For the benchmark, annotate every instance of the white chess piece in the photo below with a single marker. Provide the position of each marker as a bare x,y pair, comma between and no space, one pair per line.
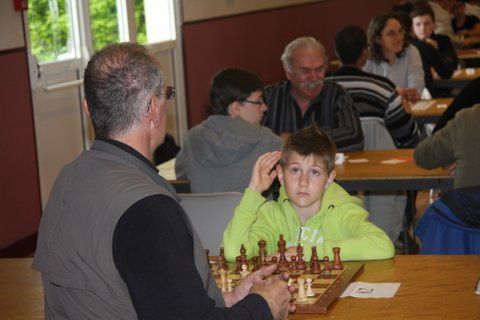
229,285
310,292
223,279
244,271
301,296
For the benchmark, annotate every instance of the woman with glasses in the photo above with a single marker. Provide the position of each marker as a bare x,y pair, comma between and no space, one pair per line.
391,56
218,154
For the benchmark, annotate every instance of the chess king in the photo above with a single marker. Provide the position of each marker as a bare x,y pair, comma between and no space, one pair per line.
311,210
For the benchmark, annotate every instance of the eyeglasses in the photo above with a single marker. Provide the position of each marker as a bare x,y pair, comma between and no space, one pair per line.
170,93
259,102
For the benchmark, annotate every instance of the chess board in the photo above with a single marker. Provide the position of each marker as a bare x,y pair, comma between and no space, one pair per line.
327,288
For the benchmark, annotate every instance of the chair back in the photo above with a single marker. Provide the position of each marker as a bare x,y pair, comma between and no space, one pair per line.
210,214
376,134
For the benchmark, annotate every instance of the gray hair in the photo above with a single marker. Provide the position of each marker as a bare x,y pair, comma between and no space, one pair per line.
119,83
302,42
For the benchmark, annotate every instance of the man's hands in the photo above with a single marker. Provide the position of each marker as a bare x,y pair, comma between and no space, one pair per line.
275,291
264,171
410,94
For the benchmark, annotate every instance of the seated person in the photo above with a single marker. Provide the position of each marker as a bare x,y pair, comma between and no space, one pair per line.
467,98
457,143
305,97
437,51
373,95
312,209
391,56
218,152
465,26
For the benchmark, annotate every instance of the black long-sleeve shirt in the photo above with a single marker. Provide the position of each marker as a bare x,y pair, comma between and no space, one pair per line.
153,252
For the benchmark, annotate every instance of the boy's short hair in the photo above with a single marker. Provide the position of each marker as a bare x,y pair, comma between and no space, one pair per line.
310,141
350,42
422,8
230,85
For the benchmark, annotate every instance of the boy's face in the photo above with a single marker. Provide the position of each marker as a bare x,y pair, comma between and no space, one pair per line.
305,180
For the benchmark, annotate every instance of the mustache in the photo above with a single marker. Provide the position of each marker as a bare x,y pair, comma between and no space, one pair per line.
311,84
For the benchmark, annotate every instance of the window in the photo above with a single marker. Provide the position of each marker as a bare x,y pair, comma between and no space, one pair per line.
155,21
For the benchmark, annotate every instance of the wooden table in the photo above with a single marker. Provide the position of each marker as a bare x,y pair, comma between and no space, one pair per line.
434,111
468,57
459,79
432,287
374,175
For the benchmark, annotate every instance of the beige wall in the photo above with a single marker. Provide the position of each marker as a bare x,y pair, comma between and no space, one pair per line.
11,30
194,10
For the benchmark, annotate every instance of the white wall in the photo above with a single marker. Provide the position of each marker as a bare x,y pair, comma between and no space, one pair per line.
11,30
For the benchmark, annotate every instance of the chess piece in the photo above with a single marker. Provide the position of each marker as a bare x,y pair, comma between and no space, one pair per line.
290,282
315,265
238,260
243,255
282,262
310,292
223,281
244,272
337,263
255,264
274,260
314,254
326,269
262,252
293,265
301,265
229,285
222,262
301,295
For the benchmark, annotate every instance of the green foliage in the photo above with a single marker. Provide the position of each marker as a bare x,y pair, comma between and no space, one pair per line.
50,26
104,23
49,29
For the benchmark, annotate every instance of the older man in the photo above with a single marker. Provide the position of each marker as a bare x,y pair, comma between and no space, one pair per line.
306,98
114,243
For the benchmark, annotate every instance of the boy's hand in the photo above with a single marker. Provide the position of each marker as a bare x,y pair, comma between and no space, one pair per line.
264,171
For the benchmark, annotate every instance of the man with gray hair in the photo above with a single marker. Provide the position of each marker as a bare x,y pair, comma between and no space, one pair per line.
114,243
304,97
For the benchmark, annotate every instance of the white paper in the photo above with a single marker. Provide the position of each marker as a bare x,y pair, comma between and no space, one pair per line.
393,161
442,106
357,160
370,290
167,170
422,105
470,71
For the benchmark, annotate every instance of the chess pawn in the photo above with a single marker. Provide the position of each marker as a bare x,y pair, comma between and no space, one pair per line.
310,292
301,265
244,272
315,265
326,269
293,265
229,285
223,281
337,263
274,261
301,295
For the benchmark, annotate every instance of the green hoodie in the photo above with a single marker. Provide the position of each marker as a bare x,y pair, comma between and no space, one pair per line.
341,222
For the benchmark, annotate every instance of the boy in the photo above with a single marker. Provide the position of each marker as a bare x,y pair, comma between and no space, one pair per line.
312,209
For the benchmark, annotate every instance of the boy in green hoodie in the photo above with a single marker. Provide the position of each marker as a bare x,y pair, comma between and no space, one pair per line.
312,209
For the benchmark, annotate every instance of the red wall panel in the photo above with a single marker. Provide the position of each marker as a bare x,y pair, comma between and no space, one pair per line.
19,184
255,41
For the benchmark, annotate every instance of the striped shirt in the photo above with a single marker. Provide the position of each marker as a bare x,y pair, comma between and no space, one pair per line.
333,110
375,96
